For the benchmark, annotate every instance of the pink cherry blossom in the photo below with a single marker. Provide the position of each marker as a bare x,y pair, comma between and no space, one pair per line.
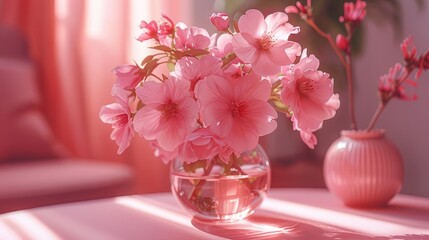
354,12
223,46
409,50
201,144
191,38
150,31
390,84
128,76
237,111
264,42
309,95
118,114
299,8
169,113
193,69
166,26
220,20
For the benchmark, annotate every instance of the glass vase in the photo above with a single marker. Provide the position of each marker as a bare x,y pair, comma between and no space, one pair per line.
212,190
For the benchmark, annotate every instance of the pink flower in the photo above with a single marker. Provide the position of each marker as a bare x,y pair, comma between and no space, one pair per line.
128,76
201,144
264,42
166,26
191,38
409,55
309,95
150,31
118,114
390,84
299,8
354,12
237,111
168,114
220,20
223,46
193,69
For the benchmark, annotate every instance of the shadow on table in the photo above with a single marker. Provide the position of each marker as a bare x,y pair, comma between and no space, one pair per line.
269,227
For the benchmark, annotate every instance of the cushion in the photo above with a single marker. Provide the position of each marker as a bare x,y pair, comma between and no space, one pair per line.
31,179
24,132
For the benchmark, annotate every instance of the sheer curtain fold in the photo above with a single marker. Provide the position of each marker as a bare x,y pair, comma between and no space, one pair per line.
76,44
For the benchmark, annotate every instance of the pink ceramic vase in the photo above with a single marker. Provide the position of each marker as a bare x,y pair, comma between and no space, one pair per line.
363,168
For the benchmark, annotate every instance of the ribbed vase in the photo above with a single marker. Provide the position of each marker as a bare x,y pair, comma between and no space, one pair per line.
363,168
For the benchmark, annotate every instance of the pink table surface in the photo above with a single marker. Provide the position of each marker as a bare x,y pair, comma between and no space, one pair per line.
286,214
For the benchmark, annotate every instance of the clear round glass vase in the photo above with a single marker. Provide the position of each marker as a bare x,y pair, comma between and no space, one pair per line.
211,190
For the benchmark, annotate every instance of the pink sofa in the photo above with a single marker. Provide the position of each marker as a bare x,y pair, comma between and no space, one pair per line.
35,169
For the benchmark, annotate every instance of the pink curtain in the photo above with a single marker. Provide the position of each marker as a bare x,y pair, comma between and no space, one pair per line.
76,44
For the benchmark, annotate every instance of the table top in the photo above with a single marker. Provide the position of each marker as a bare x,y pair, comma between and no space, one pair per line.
286,214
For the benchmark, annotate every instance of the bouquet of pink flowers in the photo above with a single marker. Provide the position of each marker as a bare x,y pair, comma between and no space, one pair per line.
217,94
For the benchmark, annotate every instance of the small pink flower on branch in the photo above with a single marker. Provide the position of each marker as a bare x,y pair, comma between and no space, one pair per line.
391,84
119,116
166,26
409,51
128,76
150,31
304,11
220,20
343,43
354,12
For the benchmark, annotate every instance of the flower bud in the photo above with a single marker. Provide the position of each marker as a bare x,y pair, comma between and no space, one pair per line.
128,76
291,9
342,43
220,20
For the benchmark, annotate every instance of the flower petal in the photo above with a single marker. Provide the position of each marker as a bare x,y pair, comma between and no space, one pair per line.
146,122
253,23
245,48
152,92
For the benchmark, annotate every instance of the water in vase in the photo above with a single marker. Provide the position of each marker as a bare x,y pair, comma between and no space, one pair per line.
222,198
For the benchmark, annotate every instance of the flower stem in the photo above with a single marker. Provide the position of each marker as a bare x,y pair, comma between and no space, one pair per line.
376,116
201,182
346,61
351,93
387,99
331,41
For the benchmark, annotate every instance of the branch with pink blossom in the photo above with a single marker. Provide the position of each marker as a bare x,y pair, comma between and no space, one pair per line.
392,84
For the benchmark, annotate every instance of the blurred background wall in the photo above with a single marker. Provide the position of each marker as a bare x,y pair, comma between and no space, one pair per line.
81,41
